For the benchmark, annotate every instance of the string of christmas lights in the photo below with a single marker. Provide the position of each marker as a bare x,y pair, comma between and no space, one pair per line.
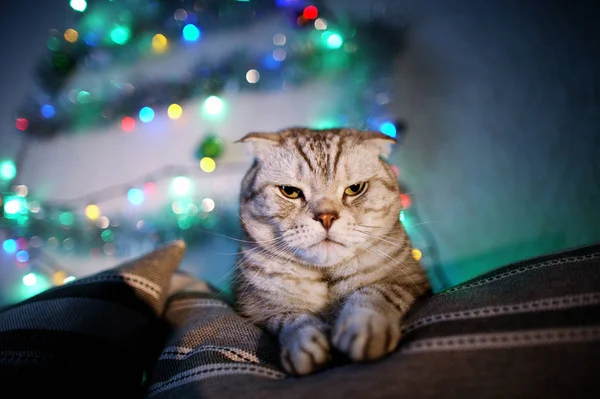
307,42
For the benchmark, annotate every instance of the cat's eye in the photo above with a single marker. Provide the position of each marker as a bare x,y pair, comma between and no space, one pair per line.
291,192
355,189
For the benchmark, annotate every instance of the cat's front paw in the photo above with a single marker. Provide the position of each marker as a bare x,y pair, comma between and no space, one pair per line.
365,334
304,349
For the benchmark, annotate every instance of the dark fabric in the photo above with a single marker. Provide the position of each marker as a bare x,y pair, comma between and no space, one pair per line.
93,337
528,330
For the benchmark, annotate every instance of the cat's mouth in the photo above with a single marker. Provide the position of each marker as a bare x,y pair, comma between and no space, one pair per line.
329,241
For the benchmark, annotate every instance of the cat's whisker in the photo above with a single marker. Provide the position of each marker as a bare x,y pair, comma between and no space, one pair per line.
419,224
239,240
381,238
396,262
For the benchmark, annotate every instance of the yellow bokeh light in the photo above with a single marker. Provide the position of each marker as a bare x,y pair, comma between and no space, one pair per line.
174,111
58,278
92,212
417,254
208,164
159,43
71,35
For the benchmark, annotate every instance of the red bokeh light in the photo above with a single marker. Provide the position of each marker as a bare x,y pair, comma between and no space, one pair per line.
149,188
22,124
311,12
405,201
22,243
128,124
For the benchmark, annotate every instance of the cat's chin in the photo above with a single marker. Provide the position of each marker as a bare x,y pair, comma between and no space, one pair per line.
324,254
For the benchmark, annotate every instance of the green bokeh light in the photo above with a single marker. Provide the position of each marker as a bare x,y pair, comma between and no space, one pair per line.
53,43
15,206
107,236
66,218
84,97
8,170
120,34
332,40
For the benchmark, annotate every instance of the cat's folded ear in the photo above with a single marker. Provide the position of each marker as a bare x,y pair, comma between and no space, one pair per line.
380,142
261,142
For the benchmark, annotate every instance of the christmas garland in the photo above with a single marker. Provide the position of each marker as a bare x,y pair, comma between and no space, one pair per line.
307,42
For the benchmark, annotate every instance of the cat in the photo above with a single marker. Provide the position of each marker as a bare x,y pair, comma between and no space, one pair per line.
325,262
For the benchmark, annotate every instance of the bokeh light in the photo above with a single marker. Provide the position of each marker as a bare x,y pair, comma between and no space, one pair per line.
208,164
66,218
181,185
9,246
47,111
120,34
8,170
58,277
146,114
71,35
180,14
135,196
21,190
92,212
207,205
320,24
279,39
334,41
149,188
128,124
21,124
103,222
22,256
191,33
78,5
84,97
69,279
388,128
405,201
417,254
213,105
310,12
107,236
14,206
252,76
174,111
30,279
279,54
160,43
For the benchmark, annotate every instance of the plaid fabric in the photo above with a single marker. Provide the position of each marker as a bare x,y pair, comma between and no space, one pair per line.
528,330
93,337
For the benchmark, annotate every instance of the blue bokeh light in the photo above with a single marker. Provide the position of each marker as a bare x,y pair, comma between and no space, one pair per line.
146,114
191,33
135,196
23,256
47,111
388,128
9,245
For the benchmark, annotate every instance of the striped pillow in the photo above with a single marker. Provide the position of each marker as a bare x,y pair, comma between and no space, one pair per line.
528,330
99,333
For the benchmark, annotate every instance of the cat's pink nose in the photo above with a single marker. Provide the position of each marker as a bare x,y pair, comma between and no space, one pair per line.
326,219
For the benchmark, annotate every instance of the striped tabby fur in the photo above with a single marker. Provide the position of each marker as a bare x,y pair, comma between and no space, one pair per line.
350,291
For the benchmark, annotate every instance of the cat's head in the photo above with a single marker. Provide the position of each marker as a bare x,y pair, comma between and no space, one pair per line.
319,196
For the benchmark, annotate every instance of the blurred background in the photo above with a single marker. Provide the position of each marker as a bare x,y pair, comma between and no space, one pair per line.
118,119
